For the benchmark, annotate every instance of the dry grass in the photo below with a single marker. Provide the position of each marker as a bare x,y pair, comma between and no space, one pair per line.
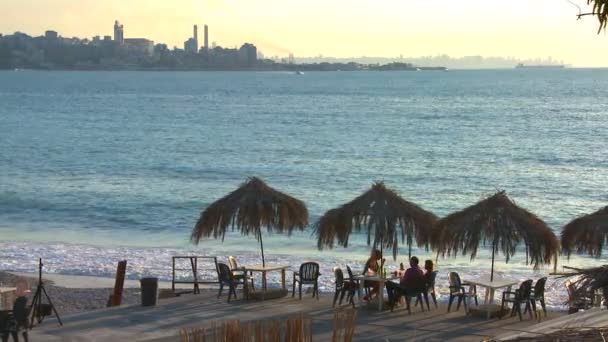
292,329
572,334
249,208
387,218
586,234
588,280
499,222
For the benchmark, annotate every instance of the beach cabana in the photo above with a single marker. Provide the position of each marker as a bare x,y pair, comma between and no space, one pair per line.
248,209
499,222
386,217
586,234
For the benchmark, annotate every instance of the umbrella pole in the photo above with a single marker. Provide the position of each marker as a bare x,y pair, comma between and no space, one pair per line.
381,260
555,263
262,246
409,255
492,271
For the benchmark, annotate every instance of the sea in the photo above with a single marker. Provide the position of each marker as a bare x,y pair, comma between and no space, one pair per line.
96,167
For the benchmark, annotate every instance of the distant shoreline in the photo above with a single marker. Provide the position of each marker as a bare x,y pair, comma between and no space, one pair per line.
289,70
294,69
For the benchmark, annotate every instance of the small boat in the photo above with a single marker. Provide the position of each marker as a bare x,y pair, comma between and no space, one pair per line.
299,73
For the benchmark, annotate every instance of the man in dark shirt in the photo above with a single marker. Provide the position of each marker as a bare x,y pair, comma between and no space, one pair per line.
410,281
412,273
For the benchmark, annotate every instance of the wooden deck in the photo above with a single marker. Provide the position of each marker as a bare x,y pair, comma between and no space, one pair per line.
162,323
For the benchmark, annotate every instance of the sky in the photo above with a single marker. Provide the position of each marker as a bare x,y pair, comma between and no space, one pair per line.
339,28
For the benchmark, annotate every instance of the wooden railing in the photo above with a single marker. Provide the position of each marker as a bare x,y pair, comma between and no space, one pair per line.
195,277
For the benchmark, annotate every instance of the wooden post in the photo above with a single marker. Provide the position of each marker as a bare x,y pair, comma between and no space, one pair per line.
173,274
116,297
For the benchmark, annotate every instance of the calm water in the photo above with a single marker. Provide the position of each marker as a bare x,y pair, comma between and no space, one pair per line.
99,166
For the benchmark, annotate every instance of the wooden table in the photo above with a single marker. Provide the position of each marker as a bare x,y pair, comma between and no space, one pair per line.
375,278
264,270
6,294
491,287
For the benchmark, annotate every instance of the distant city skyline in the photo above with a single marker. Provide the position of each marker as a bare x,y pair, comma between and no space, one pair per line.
522,29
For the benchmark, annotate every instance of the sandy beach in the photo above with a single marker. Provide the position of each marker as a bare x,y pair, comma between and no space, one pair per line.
72,295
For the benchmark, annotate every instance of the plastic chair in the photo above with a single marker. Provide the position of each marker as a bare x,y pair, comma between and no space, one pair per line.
355,282
430,289
240,272
16,320
309,275
343,287
538,294
226,278
457,290
414,289
517,298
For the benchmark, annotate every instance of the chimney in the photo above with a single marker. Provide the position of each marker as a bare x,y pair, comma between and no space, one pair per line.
206,38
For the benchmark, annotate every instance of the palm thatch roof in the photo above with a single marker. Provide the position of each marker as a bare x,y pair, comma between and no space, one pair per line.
599,10
383,214
500,222
586,234
249,208
588,279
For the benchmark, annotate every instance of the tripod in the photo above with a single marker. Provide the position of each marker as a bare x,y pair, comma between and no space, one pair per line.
40,310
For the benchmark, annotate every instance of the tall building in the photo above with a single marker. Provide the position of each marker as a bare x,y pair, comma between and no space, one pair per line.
247,55
191,45
119,34
195,37
206,39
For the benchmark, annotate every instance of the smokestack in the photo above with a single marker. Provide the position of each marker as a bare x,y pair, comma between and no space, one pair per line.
195,36
206,38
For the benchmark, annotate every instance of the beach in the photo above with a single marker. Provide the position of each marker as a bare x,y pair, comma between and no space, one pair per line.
73,295
102,167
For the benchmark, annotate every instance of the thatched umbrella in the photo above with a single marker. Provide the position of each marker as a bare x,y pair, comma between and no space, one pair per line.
589,279
500,222
587,233
383,214
250,207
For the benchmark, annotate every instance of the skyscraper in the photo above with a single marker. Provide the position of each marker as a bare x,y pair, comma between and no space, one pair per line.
206,38
195,37
119,35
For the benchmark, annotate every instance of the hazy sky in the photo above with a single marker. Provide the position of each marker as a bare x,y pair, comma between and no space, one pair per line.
341,28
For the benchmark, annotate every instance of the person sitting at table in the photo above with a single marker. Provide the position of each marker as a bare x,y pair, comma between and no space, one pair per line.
413,273
429,267
411,282
373,266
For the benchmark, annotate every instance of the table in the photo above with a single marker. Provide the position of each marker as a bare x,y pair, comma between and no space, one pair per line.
6,294
376,278
264,270
491,287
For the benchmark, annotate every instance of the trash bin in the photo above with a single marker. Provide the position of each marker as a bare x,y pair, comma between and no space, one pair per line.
149,287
